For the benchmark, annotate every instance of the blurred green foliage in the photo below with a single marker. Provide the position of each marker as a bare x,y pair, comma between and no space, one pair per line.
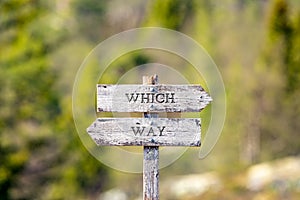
27,100
40,155
255,44
89,15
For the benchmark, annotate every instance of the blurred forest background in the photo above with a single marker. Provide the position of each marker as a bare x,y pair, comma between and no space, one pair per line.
255,44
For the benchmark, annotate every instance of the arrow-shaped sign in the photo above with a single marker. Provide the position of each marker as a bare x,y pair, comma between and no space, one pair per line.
146,131
151,98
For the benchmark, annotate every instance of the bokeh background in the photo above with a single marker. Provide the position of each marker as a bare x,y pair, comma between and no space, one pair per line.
255,44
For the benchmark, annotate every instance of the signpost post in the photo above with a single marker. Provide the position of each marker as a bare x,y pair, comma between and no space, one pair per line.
151,156
150,131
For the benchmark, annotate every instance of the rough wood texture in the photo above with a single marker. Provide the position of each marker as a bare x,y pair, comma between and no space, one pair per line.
151,173
151,98
151,131
151,157
146,131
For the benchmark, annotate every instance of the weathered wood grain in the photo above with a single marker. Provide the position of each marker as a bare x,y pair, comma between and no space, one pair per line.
151,173
151,98
151,157
146,131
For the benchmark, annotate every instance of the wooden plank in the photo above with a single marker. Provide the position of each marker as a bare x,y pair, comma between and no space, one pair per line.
146,131
151,98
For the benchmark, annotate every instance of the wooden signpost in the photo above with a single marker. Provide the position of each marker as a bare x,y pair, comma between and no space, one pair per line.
150,131
151,98
145,132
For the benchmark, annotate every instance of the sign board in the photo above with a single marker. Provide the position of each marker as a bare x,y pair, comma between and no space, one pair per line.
146,132
151,98
150,132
